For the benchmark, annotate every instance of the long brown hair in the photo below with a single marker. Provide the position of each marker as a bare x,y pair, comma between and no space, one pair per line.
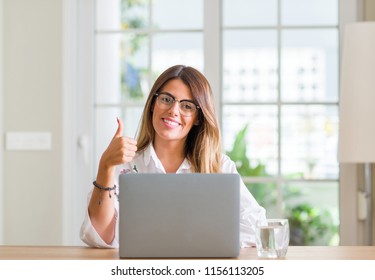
203,143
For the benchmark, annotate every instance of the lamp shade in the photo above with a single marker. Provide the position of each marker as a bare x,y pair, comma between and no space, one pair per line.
357,94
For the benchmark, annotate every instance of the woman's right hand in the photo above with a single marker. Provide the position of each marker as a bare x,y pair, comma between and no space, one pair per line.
120,150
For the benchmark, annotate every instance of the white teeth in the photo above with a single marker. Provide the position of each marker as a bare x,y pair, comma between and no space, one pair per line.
171,123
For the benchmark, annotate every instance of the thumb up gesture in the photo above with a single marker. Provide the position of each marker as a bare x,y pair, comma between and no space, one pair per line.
120,150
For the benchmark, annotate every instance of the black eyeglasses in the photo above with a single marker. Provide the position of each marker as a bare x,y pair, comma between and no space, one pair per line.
166,100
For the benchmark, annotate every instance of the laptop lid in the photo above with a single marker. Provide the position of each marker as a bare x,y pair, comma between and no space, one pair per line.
179,215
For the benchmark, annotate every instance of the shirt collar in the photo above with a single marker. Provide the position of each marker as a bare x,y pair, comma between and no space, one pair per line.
184,167
150,153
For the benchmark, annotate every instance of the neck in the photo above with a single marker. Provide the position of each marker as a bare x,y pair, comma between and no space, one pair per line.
170,153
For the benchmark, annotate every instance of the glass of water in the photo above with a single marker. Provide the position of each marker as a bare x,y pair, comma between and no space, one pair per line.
272,238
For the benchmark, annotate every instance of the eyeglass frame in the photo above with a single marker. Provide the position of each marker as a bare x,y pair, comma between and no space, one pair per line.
157,94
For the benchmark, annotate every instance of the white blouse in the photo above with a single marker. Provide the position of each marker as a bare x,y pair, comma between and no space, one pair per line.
148,162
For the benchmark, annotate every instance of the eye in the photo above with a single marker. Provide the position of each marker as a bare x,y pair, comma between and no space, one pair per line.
166,99
188,106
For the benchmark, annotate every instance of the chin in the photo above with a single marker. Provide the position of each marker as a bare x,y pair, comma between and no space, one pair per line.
171,137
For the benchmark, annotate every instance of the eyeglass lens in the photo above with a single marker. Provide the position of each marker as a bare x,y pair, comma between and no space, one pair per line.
186,107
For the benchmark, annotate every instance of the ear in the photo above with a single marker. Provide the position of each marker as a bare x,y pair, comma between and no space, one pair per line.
197,122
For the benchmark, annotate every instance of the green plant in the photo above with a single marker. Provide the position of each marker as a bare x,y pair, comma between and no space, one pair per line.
310,226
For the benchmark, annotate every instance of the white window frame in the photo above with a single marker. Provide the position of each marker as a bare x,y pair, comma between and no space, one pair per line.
78,79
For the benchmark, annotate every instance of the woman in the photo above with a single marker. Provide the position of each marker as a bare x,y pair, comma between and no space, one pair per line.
178,134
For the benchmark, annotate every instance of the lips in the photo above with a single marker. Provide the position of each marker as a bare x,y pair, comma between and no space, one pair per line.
171,123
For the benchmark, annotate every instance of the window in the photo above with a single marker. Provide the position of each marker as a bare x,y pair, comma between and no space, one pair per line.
280,97
278,91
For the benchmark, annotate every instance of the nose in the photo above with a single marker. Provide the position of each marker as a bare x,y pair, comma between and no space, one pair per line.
175,109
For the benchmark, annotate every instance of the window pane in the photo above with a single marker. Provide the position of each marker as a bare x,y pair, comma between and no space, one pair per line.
250,66
309,142
309,12
131,117
121,68
309,66
260,137
249,12
108,14
177,48
266,195
177,14
121,14
313,213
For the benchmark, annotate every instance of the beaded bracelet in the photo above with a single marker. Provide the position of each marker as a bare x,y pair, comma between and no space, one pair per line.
104,189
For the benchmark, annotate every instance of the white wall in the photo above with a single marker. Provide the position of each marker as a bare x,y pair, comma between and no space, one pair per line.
1,122
32,101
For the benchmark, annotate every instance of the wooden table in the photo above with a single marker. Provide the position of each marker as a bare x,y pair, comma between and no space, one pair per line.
86,253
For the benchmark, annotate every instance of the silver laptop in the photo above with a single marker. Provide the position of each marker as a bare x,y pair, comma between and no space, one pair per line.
179,215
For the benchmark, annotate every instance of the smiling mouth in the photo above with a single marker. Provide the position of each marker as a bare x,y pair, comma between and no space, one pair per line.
171,123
